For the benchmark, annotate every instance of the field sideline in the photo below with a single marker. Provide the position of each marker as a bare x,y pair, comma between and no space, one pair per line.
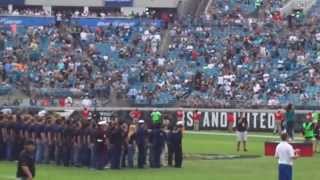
263,168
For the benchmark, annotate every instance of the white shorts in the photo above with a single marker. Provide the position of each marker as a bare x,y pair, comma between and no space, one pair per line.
242,136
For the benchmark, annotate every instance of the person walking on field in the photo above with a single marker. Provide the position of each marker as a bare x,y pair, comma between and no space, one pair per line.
26,163
290,121
285,155
279,118
242,132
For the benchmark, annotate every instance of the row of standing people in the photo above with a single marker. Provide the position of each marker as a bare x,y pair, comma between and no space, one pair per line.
96,145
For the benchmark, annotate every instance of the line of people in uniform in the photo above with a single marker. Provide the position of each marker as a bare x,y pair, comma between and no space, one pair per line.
98,145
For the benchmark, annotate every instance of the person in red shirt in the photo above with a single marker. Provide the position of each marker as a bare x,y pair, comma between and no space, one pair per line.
230,119
180,114
196,120
194,55
135,115
279,117
85,113
62,102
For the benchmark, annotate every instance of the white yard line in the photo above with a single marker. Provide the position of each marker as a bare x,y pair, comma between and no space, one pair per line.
233,134
7,177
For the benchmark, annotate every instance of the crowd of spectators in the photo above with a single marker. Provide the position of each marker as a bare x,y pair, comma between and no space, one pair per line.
73,13
69,60
241,52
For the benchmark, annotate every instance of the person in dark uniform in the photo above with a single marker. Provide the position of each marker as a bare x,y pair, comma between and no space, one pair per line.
125,131
157,142
26,169
100,145
84,149
67,143
40,140
2,140
116,141
170,145
141,143
48,146
57,129
91,140
76,143
10,140
19,137
177,144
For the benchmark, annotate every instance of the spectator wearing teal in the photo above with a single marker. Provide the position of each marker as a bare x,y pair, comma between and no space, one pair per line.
258,3
156,117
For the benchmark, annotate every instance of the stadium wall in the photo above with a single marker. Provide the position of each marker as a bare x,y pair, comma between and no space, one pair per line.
211,119
156,3
101,3
65,2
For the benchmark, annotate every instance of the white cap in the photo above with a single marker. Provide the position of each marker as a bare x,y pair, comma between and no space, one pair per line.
141,121
6,111
102,123
180,123
42,113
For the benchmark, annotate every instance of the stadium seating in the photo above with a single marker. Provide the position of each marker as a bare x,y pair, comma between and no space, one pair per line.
218,59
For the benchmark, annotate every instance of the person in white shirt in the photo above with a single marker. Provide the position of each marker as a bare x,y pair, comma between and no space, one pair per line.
285,155
86,102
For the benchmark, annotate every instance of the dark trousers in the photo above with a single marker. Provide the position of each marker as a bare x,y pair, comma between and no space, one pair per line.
67,155
178,155
84,155
115,157
131,151
9,150
124,157
2,150
156,151
290,129
141,155
285,172
58,154
170,154
100,159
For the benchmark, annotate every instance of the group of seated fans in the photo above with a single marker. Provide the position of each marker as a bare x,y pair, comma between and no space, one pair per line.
240,51
93,143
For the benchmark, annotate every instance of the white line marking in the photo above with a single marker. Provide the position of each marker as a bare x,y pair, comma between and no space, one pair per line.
233,134
8,177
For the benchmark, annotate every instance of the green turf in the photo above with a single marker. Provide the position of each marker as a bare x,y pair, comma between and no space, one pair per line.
264,168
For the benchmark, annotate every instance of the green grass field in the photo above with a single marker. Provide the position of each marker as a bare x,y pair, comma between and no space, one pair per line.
263,168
